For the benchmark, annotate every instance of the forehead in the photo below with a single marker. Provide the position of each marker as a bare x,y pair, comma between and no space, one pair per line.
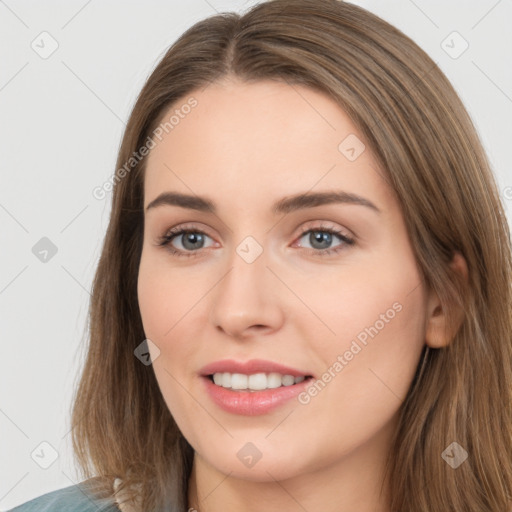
254,141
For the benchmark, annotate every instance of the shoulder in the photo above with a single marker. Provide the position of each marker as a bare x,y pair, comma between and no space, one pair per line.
69,499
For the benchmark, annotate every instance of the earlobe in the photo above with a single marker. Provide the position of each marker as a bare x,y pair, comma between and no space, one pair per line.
460,265
440,329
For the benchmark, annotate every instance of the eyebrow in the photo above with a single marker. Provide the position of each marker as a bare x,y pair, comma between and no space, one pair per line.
284,205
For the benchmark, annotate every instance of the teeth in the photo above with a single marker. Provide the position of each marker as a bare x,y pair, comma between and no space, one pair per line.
255,381
288,380
274,380
239,381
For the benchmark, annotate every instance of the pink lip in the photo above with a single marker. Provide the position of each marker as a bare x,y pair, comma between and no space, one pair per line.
250,367
252,403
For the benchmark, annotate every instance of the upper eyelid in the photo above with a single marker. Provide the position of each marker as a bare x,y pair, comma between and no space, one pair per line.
347,239
309,225
315,225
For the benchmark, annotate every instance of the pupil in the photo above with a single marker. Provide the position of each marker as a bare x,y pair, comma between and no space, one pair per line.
193,238
320,236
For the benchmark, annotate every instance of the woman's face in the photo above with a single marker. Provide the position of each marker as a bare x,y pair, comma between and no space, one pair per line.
326,286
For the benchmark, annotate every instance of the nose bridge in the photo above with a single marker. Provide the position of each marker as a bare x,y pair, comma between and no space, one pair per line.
246,279
245,295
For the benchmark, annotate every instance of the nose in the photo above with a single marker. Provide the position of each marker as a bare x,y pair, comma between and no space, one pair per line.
246,300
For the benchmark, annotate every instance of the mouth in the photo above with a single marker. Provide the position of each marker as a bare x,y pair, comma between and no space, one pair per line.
252,387
253,383
234,394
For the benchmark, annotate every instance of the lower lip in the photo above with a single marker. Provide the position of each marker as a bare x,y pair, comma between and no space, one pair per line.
252,403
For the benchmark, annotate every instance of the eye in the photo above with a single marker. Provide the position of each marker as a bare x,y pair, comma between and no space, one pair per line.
321,238
193,239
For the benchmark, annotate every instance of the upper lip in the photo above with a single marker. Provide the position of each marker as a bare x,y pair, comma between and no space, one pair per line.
250,367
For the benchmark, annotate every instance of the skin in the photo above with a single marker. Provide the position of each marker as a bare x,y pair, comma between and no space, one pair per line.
246,146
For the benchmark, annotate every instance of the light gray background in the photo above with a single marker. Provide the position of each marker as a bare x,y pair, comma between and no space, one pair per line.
62,119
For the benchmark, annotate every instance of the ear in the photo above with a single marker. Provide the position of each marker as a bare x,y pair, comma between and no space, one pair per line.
440,330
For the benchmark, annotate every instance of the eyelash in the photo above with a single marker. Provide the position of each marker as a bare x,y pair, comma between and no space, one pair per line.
165,240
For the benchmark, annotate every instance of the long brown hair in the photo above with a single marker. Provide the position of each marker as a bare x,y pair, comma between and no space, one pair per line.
423,137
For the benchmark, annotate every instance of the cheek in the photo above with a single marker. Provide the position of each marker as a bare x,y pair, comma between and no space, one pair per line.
163,304
169,303
347,302
165,296
378,317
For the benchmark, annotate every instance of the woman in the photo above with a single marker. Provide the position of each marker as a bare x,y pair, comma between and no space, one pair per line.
303,300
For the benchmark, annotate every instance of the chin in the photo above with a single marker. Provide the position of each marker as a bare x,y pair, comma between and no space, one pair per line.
269,468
